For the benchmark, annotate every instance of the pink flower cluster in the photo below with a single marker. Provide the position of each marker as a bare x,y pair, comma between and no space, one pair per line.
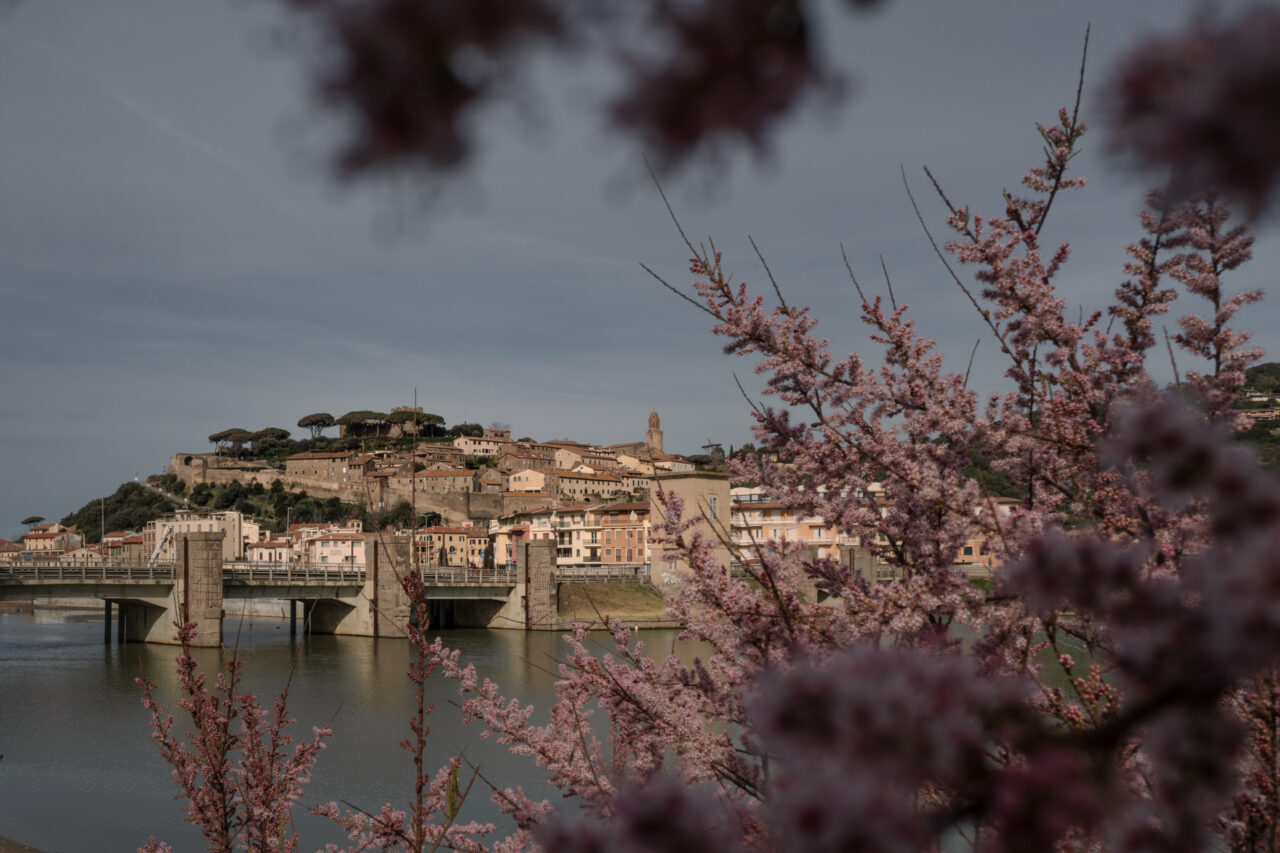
240,772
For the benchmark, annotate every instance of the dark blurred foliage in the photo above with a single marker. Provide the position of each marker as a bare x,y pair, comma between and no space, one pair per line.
700,76
1204,106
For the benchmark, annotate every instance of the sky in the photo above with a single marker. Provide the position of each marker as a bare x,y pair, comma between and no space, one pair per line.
176,258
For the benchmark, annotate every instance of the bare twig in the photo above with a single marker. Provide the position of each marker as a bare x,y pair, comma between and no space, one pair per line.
986,316
777,290
852,277
1173,361
888,282
972,353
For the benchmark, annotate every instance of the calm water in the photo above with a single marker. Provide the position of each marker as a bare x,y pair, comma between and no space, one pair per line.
80,775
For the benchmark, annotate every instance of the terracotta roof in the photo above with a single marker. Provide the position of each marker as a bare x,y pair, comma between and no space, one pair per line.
339,536
570,475
629,506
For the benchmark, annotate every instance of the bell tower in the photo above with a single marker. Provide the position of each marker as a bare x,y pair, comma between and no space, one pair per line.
653,438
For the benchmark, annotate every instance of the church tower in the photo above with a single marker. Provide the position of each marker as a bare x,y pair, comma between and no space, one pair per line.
653,438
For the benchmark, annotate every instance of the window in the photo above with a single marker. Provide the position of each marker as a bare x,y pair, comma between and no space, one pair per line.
968,550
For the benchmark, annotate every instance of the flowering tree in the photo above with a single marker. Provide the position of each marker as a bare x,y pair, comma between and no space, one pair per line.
236,771
1120,662
1118,687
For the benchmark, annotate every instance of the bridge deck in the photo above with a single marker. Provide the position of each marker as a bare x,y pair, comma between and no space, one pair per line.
294,574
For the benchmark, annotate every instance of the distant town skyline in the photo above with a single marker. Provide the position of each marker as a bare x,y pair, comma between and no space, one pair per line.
176,259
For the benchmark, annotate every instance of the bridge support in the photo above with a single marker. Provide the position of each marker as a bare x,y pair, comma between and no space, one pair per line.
532,604
196,596
381,608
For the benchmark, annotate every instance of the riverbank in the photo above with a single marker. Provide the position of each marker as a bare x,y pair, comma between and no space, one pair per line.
634,604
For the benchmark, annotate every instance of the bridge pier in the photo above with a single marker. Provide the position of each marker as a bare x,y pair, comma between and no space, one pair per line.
532,603
195,596
106,623
381,607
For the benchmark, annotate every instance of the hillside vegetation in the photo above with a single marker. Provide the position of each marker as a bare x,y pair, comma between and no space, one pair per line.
130,507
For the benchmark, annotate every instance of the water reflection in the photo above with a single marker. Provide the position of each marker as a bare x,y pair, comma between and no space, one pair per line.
79,772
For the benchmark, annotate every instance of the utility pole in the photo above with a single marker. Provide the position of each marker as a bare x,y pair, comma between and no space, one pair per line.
413,488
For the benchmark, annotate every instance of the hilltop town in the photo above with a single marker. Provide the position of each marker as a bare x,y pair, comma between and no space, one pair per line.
469,494
470,500
471,478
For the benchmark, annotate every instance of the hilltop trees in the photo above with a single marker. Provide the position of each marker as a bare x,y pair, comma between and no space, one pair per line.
232,440
1264,377
316,423
363,422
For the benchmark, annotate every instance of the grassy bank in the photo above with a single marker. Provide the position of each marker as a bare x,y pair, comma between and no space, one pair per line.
630,602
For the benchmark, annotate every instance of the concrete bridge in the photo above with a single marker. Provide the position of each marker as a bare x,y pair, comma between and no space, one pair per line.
149,600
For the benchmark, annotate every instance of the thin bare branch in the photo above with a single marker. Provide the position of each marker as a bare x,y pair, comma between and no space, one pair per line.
888,282
755,407
986,317
670,212
972,353
777,290
1173,361
853,277
677,291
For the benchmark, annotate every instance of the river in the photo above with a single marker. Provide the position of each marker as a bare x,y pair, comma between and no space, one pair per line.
80,775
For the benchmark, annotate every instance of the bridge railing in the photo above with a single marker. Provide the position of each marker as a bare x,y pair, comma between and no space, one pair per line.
603,573
500,575
110,570
292,572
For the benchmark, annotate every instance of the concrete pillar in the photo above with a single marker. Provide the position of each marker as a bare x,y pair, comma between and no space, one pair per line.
859,562
380,608
106,623
807,586
388,602
535,563
197,585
